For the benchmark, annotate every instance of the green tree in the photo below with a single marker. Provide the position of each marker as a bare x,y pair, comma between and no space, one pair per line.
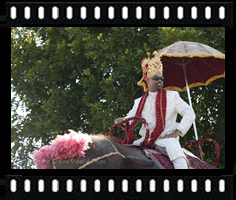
82,78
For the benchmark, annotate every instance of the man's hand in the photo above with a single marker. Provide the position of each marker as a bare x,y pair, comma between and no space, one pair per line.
175,134
118,121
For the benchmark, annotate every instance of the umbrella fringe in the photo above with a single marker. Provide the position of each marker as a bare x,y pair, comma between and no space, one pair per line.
195,84
192,55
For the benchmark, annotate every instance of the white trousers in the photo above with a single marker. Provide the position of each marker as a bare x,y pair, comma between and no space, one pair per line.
174,151
180,163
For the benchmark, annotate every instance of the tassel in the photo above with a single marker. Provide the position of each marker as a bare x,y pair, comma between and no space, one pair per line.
154,53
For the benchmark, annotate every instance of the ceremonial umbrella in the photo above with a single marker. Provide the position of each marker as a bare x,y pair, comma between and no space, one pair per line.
190,64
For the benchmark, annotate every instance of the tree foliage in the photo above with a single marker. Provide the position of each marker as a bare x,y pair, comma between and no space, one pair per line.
82,78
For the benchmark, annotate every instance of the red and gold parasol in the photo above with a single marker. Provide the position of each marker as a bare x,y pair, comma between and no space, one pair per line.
190,64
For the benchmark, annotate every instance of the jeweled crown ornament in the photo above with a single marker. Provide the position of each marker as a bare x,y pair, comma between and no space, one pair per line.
150,67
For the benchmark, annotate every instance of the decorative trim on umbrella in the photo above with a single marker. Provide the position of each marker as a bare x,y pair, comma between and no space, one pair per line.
195,84
192,55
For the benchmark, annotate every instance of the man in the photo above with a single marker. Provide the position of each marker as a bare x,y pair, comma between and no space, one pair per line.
160,108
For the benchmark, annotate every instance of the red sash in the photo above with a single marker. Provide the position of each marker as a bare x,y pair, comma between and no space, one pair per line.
160,108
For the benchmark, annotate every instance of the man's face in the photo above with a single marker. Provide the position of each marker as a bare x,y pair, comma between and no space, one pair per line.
155,83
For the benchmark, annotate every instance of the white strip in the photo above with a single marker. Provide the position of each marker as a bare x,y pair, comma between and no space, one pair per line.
194,185
27,12
180,185
152,12
41,185
166,12
13,12
111,185
138,185
13,185
208,185
55,12
152,185
222,12
208,12
194,12
41,12
111,12
97,185
83,185
222,185
138,12
27,185
69,12
166,185
55,185
83,12
125,185
69,185
180,12
125,12
97,12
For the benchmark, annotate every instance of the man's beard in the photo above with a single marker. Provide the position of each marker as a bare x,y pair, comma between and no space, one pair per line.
159,87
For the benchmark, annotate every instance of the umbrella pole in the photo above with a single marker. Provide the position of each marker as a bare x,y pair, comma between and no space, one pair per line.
190,102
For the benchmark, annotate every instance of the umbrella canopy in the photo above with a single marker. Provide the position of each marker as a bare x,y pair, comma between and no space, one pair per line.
201,63
190,64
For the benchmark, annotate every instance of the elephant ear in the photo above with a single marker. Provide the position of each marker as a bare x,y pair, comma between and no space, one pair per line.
112,160
134,162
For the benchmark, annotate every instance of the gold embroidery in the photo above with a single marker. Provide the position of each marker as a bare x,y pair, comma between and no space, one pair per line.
163,125
150,67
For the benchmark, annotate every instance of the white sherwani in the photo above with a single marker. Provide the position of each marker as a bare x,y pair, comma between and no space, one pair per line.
174,106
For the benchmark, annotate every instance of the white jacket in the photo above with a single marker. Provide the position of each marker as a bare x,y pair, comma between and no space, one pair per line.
174,106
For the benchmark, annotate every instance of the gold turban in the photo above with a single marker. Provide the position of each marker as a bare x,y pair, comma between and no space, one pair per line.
150,67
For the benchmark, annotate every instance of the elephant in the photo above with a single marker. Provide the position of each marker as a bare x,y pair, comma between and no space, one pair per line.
106,153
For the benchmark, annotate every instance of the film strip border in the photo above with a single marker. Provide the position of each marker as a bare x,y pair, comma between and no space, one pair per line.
125,185
120,13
